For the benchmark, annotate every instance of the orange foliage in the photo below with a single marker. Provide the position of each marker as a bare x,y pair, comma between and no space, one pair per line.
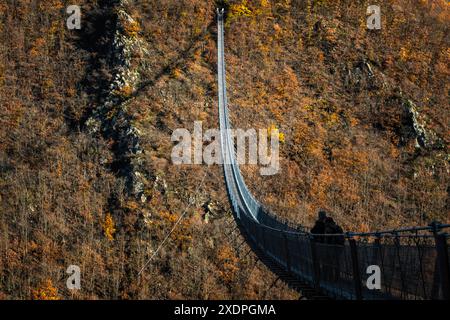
46,292
182,234
109,227
228,264
131,28
125,91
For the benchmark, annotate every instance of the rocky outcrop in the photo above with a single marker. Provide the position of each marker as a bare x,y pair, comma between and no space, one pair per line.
423,139
211,209
360,76
111,118
416,126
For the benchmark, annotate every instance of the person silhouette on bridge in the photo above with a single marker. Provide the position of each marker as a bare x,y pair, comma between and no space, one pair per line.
319,227
331,227
331,238
336,240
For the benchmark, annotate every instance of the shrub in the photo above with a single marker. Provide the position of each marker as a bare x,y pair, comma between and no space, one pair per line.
125,92
46,292
228,264
109,228
131,28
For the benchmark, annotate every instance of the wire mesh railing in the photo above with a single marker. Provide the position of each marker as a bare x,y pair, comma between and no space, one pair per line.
409,263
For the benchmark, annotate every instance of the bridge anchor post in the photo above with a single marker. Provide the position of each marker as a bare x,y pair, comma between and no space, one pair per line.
356,271
443,263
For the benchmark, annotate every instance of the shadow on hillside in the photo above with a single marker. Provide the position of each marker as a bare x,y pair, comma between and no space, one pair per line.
177,62
95,37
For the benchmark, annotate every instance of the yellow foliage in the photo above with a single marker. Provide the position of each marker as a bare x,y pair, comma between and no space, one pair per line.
46,292
265,3
176,73
109,227
331,118
404,54
273,128
308,107
131,28
241,9
125,92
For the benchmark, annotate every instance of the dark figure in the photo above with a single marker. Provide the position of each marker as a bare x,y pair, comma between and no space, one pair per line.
332,228
336,248
319,227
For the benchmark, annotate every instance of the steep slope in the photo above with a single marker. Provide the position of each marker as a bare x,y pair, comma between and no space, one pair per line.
364,113
87,118
54,190
69,164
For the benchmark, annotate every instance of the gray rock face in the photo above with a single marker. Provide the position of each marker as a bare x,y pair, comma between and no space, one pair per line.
360,76
111,117
421,135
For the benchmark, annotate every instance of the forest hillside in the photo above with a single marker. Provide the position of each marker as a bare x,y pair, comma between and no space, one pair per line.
86,119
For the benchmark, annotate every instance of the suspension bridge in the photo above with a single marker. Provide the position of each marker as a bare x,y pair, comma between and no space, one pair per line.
413,262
